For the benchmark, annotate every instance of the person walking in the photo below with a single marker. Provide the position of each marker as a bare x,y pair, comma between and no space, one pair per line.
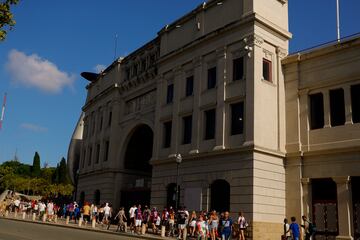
181,220
295,229
242,226
309,228
287,234
226,225
122,218
201,228
171,222
86,212
213,224
146,217
132,218
138,219
192,224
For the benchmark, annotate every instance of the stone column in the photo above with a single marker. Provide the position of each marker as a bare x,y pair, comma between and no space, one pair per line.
220,108
344,207
327,120
347,96
306,197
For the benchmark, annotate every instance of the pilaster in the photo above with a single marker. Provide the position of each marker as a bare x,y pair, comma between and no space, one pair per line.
344,207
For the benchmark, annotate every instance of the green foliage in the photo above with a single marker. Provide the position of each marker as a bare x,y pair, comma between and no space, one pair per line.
50,182
36,165
6,17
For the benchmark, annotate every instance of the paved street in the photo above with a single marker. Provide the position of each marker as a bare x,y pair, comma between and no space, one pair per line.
16,230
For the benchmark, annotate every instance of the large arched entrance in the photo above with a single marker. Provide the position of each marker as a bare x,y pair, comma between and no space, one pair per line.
220,195
137,160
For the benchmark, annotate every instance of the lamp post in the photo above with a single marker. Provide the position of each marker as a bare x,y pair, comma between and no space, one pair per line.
178,159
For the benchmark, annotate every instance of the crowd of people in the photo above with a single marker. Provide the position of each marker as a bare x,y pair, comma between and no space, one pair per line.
167,222
140,220
293,231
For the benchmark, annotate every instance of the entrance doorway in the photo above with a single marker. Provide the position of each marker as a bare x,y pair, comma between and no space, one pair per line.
137,160
324,204
220,195
355,185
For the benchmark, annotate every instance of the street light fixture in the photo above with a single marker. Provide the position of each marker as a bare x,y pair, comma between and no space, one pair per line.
178,159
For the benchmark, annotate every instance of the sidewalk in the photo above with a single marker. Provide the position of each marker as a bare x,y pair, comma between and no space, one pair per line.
85,227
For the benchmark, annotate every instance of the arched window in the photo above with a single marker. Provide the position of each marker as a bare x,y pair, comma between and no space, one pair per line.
139,149
220,195
97,197
82,198
171,195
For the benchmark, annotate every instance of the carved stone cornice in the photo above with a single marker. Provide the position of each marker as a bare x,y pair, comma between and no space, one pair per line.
254,40
281,52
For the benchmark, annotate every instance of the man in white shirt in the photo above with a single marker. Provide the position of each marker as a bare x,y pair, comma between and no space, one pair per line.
132,217
17,205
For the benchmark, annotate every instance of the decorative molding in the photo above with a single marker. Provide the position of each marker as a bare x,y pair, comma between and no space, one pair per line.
254,40
283,1
342,179
282,52
305,181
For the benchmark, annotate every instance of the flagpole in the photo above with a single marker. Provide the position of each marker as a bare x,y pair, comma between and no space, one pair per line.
338,20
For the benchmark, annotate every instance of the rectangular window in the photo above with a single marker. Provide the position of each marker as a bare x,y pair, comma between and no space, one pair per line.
316,111
210,117
337,107
110,118
187,123
189,89
211,78
170,93
97,153
90,156
167,134
238,68
106,152
267,73
237,118
355,103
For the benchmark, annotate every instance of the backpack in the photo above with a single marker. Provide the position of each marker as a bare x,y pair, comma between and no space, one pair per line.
312,228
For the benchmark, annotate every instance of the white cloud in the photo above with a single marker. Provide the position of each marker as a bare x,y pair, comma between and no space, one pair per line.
34,71
33,127
100,67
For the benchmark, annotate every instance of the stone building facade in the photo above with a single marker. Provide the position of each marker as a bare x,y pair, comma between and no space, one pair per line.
218,87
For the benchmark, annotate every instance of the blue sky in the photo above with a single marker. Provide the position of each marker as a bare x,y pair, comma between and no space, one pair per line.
64,38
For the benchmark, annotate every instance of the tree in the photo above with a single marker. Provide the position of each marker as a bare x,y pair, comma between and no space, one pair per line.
63,173
36,165
6,17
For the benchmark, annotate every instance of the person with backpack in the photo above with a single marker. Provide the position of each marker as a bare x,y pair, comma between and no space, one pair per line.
309,227
226,226
295,229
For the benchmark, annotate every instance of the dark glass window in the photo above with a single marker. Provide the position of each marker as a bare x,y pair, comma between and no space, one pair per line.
167,134
237,118
267,70
211,78
110,118
238,68
337,107
101,121
170,93
187,121
210,116
316,111
84,159
189,89
355,103
106,152
97,153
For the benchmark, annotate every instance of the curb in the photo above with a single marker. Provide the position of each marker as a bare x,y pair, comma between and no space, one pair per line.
85,229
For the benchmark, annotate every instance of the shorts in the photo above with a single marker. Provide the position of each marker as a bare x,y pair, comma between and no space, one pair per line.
193,224
86,218
181,226
137,223
50,212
